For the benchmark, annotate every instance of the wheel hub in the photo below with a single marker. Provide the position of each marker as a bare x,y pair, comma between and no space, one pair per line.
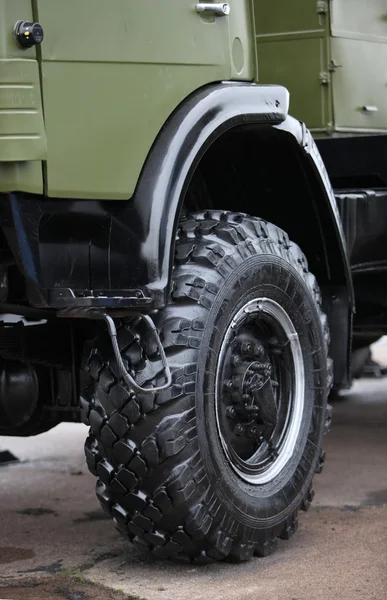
258,389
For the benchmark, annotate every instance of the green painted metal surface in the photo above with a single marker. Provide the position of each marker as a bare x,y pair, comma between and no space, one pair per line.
22,132
332,56
109,75
112,75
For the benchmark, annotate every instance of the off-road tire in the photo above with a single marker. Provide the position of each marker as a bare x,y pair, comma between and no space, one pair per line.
161,472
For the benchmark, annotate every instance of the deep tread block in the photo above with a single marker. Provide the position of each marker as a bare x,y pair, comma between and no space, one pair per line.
155,538
103,496
117,489
108,437
135,501
168,550
120,514
222,546
162,501
105,471
127,478
143,522
92,454
138,466
241,552
320,462
132,411
153,513
289,529
307,500
123,451
150,452
265,548
118,424
106,379
97,418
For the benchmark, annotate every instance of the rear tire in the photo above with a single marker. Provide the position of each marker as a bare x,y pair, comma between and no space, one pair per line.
219,465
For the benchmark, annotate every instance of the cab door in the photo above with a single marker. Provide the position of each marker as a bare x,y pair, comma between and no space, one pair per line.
112,74
359,60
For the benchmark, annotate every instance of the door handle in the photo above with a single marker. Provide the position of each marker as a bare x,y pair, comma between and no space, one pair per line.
220,9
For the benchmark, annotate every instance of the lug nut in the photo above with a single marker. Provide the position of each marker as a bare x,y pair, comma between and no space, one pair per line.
247,348
236,360
228,385
230,412
239,429
259,351
252,432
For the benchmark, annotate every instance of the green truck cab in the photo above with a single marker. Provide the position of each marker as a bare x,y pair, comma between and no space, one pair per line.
162,210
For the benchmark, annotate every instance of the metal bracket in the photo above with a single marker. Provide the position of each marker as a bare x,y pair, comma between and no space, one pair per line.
122,371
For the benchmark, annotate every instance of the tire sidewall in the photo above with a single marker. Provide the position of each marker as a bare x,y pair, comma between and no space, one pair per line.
257,506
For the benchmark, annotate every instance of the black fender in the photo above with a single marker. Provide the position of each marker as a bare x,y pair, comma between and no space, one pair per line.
120,253
184,140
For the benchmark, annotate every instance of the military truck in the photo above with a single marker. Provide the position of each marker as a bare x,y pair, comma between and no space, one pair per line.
183,254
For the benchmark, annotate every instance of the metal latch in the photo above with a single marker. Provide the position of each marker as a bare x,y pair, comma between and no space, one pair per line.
369,108
220,9
322,7
325,78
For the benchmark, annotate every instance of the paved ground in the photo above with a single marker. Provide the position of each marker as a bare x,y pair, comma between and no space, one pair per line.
55,541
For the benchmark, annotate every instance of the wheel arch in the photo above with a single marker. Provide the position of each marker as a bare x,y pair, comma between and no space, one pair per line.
233,138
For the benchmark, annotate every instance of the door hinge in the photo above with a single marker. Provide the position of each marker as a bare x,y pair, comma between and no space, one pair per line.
322,7
325,78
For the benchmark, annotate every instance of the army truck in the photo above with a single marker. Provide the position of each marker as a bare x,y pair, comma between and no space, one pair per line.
173,246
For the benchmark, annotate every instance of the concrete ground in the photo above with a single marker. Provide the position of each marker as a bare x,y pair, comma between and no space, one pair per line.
55,542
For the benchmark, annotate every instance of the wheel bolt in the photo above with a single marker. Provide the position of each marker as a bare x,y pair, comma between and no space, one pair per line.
239,429
230,412
236,360
247,348
228,385
259,351
253,432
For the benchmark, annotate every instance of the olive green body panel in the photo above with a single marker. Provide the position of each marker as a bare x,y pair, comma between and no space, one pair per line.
109,77
113,75
331,56
22,132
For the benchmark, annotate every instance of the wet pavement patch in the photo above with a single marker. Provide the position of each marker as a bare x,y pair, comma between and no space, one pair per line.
63,586
377,497
94,515
54,567
37,512
10,554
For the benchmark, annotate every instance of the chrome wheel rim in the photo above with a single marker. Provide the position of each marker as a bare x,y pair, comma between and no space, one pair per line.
260,389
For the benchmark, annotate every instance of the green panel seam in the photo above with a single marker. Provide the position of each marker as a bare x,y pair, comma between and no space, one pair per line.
294,35
35,14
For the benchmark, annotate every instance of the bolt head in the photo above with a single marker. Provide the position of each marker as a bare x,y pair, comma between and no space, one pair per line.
228,385
236,360
247,348
239,429
230,412
258,351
